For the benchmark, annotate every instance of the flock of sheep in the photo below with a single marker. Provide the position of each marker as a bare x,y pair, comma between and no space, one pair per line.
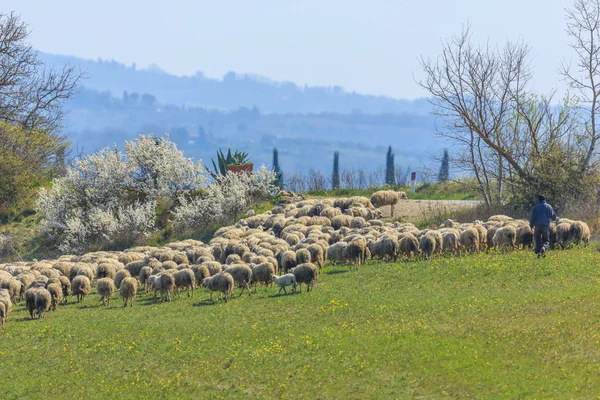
286,246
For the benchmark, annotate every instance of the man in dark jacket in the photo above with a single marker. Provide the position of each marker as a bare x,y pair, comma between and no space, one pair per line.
541,215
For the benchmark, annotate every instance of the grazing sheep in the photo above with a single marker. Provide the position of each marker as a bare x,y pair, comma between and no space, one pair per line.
524,236
128,290
65,284
81,287
5,299
242,276
43,301
439,241
335,252
386,247
409,245
358,222
451,242
580,232
285,281
317,256
302,256
481,233
106,289
56,294
185,278
214,267
340,221
30,300
119,276
505,237
222,283
165,283
307,274
355,252
13,286
200,273
287,261
106,270
262,273
385,198
87,272
145,273
427,245
135,267
469,239
233,259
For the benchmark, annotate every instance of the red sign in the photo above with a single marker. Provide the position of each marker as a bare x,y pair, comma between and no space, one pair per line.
413,176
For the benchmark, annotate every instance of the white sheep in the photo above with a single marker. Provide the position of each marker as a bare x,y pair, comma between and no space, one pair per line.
285,280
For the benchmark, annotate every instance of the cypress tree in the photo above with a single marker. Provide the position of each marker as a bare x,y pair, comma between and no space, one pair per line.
276,168
390,175
444,173
335,178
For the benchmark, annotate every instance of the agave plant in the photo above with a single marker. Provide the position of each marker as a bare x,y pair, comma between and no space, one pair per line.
220,167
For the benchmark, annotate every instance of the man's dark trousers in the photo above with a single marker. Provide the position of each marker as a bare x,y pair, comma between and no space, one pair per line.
542,238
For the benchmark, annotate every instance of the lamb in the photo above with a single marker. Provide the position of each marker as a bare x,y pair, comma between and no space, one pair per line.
285,280
43,300
106,289
81,287
128,290
119,276
355,252
504,237
307,274
30,300
222,283
56,294
469,239
185,278
242,276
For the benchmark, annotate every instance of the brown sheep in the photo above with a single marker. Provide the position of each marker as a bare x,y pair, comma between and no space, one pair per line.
242,276
355,252
221,282
303,256
469,239
56,294
128,290
185,278
409,245
505,237
43,301
106,289
81,287
262,273
316,255
305,273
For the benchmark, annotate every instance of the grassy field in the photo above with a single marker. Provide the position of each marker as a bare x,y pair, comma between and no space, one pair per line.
479,326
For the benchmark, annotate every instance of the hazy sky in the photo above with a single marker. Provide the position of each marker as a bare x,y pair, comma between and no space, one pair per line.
368,46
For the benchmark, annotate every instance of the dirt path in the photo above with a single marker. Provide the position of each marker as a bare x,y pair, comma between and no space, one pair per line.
415,210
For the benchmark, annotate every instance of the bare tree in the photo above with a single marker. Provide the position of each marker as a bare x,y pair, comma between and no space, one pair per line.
505,131
31,95
583,26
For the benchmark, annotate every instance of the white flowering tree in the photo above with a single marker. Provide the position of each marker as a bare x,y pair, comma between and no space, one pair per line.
111,196
227,198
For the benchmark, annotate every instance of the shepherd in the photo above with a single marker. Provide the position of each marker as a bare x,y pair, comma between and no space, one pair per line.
541,215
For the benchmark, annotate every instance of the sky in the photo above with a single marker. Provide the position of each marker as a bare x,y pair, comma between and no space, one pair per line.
365,46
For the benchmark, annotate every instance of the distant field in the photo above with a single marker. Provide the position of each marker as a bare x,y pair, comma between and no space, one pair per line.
473,327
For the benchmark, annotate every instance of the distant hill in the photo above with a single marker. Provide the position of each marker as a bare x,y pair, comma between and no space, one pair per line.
96,119
116,103
233,91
